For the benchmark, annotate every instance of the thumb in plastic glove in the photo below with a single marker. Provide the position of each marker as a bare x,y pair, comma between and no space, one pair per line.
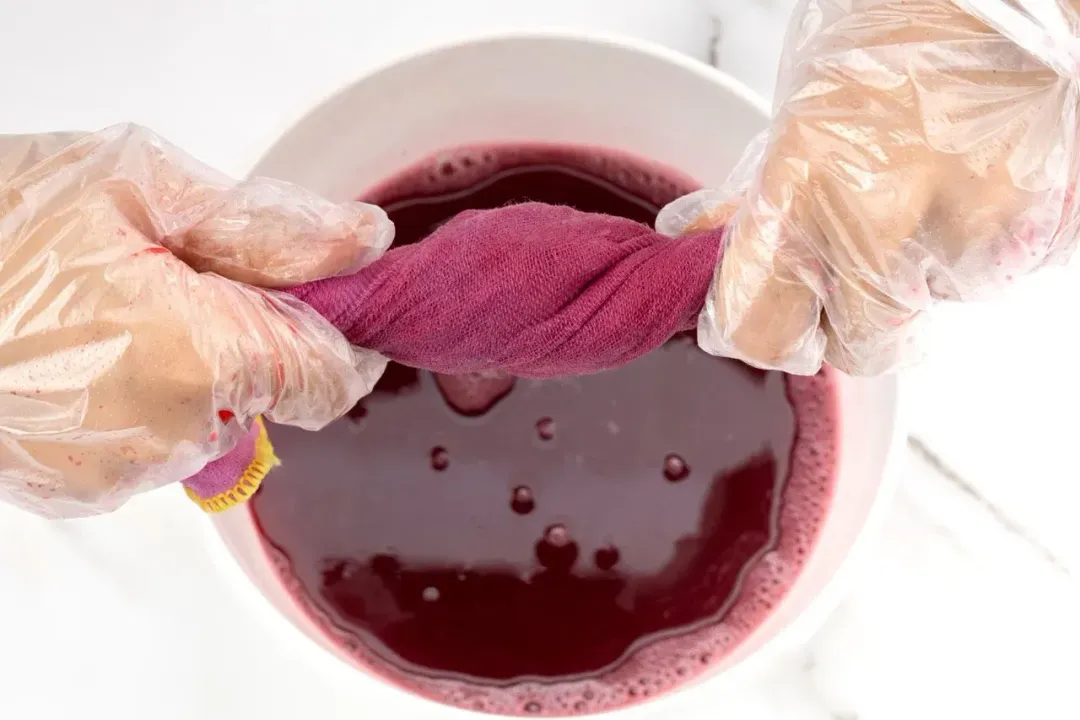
123,368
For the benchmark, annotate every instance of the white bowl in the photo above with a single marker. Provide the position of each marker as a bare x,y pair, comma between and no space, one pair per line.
584,90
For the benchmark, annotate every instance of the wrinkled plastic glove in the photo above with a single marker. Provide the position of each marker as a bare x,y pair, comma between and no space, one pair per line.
921,150
127,358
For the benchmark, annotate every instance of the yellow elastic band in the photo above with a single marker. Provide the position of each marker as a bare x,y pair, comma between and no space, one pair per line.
264,461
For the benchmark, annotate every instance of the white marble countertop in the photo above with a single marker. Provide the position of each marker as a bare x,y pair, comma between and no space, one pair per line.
968,610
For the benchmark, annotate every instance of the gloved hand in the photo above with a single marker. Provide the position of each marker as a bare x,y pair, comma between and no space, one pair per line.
921,150
124,363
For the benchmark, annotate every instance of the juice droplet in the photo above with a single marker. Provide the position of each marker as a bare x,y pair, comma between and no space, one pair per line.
532,708
545,429
474,394
522,501
440,459
675,468
606,558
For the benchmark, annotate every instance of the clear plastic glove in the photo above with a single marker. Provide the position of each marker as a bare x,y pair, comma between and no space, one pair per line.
921,150
124,364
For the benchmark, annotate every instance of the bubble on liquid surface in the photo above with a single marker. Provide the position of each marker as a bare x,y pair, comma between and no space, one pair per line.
545,429
557,536
522,501
606,557
675,468
557,551
430,594
385,566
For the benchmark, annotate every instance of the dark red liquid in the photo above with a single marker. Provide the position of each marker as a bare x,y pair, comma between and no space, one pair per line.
552,547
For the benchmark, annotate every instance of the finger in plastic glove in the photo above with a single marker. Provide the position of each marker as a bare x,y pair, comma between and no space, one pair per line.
274,234
759,308
19,153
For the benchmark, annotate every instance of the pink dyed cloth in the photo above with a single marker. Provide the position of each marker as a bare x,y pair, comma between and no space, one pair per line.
222,474
532,290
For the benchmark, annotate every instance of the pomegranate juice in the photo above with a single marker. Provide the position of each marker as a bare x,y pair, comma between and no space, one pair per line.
558,547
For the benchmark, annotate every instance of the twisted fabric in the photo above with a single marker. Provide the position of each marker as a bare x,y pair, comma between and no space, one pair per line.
532,290
529,290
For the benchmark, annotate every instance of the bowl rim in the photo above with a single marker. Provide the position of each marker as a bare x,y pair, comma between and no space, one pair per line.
612,41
